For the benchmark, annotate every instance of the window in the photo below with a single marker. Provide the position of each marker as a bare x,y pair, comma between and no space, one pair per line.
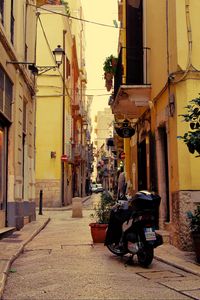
26,52
1,88
2,11
24,116
3,158
6,94
1,166
12,22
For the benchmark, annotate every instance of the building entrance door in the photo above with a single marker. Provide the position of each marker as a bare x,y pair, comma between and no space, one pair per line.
164,172
3,159
142,166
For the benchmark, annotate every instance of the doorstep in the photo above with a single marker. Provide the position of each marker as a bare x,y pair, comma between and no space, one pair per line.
6,231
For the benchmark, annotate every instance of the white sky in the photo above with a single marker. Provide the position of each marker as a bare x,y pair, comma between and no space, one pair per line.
100,42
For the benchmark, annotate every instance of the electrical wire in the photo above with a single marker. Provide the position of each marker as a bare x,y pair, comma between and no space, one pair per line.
75,18
67,89
59,95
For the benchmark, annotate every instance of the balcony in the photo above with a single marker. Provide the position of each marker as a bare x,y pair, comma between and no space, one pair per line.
79,152
132,88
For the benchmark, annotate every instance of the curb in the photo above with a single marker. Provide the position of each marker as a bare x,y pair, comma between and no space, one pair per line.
177,265
14,256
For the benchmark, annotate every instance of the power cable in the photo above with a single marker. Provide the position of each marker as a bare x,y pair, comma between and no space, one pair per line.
75,18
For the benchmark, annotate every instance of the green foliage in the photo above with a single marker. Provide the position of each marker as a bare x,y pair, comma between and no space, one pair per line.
194,219
67,9
102,210
110,64
192,137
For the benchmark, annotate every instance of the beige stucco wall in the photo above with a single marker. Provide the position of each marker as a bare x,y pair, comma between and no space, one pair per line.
21,90
183,175
21,167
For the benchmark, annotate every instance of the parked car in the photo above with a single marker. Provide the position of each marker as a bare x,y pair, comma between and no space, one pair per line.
97,188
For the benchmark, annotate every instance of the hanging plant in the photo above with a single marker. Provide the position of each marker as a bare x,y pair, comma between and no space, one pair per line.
110,64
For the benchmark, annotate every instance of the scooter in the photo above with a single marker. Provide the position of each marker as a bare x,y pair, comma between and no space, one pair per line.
132,226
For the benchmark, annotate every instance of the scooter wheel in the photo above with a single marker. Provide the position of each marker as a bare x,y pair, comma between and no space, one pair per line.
116,249
145,256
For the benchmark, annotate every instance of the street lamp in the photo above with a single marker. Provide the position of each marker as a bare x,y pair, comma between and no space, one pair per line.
85,126
38,70
58,54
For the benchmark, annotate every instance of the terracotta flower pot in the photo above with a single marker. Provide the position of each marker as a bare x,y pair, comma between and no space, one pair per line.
108,76
98,232
108,85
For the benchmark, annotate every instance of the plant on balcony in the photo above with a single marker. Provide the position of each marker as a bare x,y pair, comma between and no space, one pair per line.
67,9
110,65
192,137
109,68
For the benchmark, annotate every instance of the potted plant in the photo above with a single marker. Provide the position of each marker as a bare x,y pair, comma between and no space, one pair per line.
101,217
192,137
194,224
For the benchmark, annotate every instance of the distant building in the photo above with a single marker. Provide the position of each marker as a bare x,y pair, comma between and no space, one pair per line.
103,130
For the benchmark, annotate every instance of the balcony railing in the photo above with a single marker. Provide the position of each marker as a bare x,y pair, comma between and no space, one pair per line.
132,67
79,152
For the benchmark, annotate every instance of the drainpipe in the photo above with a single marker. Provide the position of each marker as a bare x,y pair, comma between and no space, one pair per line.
63,125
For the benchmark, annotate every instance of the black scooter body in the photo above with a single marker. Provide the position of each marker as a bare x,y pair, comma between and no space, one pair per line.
141,214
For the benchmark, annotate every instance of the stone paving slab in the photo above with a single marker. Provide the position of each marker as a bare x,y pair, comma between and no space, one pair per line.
180,259
11,247
179,285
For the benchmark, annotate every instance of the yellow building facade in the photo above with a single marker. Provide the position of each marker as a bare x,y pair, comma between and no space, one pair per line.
60,106
17,113
159,56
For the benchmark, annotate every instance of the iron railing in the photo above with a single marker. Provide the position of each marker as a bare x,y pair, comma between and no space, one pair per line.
132,67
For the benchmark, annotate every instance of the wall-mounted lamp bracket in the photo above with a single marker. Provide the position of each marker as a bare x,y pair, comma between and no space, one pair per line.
38,70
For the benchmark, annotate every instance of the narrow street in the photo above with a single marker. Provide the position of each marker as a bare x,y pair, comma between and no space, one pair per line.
61,263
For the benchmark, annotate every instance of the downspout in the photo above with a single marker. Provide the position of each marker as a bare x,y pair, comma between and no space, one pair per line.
167,43
63,124
35,83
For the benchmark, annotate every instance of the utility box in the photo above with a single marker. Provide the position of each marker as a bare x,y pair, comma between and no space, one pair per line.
77,207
